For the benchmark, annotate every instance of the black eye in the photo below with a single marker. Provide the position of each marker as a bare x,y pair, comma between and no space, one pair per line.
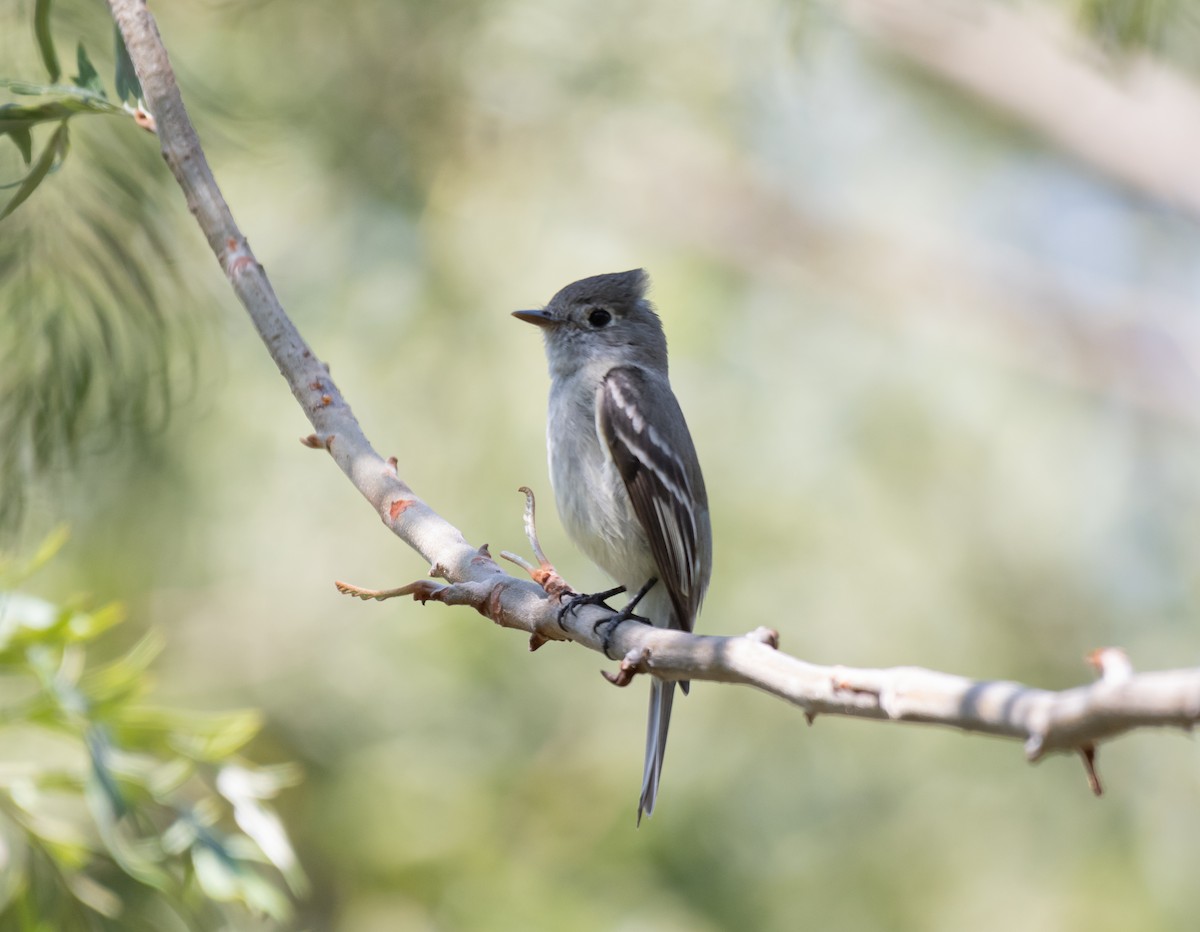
599,317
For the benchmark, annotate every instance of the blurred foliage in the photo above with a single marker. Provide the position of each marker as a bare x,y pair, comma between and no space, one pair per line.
115,814
92,304
85,94
1168,28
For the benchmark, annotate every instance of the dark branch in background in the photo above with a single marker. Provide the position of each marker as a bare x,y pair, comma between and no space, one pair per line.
1046,721
1133,119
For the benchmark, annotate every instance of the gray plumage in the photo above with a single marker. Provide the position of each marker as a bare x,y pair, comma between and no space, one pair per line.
622,463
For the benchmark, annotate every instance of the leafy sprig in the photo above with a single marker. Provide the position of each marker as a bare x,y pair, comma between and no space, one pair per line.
105,798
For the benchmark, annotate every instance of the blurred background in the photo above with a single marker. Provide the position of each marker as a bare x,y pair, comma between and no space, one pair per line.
929,273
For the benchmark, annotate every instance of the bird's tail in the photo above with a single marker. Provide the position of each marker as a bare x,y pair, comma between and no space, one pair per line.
662,694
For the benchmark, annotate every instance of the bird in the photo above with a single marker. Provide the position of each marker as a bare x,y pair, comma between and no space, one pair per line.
623,466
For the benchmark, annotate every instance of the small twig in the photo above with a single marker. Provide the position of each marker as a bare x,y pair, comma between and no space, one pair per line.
378,595
1088,753
531,525
1112,663
544,574
763,635
520,561
142,117
630,665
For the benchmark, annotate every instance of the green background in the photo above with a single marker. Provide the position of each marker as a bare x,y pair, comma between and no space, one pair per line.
940,376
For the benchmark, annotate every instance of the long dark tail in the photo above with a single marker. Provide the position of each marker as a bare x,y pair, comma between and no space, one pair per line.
662,695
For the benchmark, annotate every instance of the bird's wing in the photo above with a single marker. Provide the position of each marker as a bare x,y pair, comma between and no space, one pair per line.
662,475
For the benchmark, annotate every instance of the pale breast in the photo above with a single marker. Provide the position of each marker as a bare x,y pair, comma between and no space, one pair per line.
591,496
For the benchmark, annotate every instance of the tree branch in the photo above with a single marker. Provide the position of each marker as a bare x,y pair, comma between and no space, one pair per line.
1046,721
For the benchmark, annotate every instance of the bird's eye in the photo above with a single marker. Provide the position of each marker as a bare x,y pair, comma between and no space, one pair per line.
599,317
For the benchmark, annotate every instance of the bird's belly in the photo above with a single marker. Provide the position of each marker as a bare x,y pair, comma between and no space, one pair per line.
598,515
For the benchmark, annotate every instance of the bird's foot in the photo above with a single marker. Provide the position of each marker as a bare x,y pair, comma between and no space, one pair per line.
625,614
593,598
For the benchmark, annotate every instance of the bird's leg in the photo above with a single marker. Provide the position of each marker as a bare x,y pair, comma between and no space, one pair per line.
627,611
626,614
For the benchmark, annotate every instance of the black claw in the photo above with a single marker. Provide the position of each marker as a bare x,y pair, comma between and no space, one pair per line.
610,626
617,617
625,614
611,622
594,598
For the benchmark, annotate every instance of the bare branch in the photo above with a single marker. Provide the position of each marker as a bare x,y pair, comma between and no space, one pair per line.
1045,721
1072,720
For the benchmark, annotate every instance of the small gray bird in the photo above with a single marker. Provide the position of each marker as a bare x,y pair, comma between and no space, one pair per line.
623,466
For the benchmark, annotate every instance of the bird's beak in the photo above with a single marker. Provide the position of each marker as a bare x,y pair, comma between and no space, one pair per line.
539,318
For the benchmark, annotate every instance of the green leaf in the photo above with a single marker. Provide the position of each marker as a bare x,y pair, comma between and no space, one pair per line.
218,875
201,736
140,860
13,572
41,29
128,86
262,896
88,77
71,97
55,151
71,849
22,139
245,788
109,307
85,626
227,878
94,895
26,620
125,677
48,549
164,779
219,735
179,836
153,815
24,117
60,839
